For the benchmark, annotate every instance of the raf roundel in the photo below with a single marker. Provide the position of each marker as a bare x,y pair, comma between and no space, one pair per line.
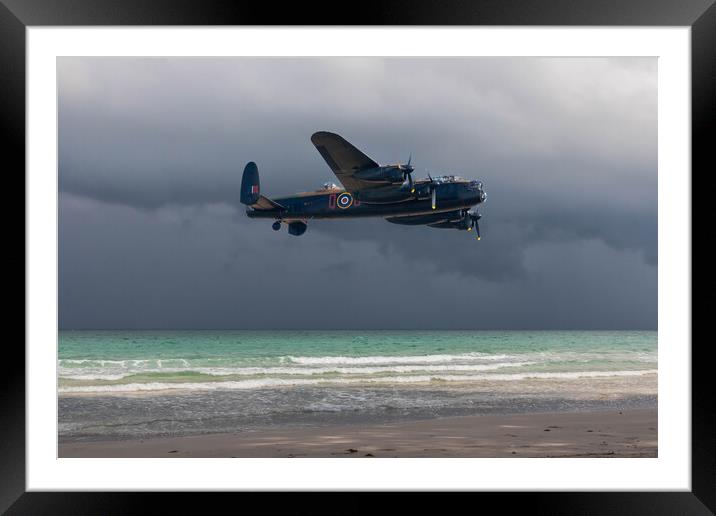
345,200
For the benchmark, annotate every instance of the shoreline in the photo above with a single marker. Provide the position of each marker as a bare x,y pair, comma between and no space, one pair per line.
609,433
637,382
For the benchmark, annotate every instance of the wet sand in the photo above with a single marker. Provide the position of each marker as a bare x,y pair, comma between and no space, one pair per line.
627,433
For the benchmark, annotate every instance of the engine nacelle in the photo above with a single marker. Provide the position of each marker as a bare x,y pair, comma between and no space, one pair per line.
392,174
425,190
464,223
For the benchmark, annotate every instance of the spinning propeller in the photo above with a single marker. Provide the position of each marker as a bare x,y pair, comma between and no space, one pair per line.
474,217
407,170
433,191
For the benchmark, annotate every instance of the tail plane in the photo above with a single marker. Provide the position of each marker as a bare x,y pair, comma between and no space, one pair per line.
251,190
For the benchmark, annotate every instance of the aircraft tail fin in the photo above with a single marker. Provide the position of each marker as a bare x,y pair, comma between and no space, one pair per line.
250,190
250,184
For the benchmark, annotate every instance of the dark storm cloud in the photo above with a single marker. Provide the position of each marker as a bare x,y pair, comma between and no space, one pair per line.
156,147
125,268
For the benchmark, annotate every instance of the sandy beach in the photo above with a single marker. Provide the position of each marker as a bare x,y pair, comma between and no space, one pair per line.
626,433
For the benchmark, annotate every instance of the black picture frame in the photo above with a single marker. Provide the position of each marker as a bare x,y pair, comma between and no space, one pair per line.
16,15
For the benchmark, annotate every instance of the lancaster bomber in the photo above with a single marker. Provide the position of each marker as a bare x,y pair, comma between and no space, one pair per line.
369,190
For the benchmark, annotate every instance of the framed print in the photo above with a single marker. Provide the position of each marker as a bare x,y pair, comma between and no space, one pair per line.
422,256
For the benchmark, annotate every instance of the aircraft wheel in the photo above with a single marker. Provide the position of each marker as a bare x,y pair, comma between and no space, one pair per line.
276,226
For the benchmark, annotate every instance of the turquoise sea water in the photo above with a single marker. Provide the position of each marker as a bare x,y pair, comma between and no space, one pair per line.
119,385
110,361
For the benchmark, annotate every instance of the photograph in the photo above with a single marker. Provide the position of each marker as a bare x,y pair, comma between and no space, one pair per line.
357,257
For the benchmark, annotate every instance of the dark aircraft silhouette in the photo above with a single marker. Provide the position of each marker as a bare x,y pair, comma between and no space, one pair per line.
370,190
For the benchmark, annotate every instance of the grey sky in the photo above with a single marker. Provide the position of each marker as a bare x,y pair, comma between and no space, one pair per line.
152,234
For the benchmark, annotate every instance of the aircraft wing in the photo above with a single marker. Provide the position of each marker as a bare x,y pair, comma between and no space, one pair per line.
428,219
264,203
345,160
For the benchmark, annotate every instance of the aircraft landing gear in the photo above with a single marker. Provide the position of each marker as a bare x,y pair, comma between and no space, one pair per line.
276,225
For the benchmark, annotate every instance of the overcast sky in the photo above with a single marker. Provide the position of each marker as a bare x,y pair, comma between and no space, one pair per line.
152,234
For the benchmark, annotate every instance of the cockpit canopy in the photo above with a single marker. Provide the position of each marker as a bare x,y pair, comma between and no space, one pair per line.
449,179
328,185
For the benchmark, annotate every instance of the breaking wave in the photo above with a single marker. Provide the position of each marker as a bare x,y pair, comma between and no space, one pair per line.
278,382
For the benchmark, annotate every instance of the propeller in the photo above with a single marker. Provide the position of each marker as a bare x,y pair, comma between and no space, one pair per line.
433,191
423,189
408,173
474,217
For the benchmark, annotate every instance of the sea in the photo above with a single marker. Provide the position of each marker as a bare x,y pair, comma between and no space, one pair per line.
131,384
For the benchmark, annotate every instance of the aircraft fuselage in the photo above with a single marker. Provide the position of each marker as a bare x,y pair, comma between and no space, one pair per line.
369,190
338,203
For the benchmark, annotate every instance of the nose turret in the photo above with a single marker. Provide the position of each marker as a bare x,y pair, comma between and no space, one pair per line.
478,188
